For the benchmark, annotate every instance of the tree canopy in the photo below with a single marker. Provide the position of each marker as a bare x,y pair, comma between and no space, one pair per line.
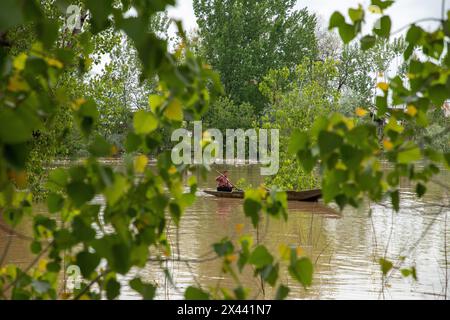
244,39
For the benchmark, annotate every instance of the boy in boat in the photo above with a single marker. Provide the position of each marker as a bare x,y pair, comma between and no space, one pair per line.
223,184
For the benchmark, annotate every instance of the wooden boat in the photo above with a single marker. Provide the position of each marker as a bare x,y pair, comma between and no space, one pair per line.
306,195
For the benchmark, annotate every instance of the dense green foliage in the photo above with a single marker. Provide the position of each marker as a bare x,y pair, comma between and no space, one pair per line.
225,114
243,40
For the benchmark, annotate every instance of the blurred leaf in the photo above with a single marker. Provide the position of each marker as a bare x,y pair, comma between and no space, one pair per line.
87,262
260,257
328,142
140,163
282,292
420,190
40,287
386,266
395,199
408,156
336,20
302,271
368,42
193,293
147,291
112,289
383,27
174,111
80,193
115,191
299,141
10,14
100,147
54,202
347,32
144,122
223,248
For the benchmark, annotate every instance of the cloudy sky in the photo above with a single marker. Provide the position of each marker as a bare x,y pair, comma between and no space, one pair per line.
403,12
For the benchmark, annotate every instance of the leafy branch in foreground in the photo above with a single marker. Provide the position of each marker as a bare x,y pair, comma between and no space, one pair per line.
348,150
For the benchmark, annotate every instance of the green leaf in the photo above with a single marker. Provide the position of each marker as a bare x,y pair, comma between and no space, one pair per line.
144,122
175,212
347,32
356,14
223,248
174,110
87,262
116,190
100,147
406,272
447,159
47,31
147,291
121,258
368,42
59,177
80,193
112,289
386,266
16,154
383,27
155,101
251,209
395,199
382,4
328,142
240,293
414,34
13,216
302,271
408,156
420,190
14,127
87,116
139,255
336,20
193,293
133,142
54,202
82,230
298,141
270,273
100,9
306,160
393,125
282,292
260,257
438,94
10,14
35,247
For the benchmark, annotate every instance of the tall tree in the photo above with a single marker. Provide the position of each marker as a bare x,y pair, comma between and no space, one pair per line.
244,39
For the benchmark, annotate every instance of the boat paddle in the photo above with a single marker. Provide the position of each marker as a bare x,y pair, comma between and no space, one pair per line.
229,181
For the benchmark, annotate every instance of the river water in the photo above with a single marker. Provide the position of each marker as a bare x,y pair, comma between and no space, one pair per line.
344,247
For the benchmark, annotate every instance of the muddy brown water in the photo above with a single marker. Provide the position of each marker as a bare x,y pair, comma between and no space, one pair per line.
345,247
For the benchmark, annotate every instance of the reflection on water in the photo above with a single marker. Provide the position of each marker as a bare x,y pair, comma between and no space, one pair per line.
344,247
